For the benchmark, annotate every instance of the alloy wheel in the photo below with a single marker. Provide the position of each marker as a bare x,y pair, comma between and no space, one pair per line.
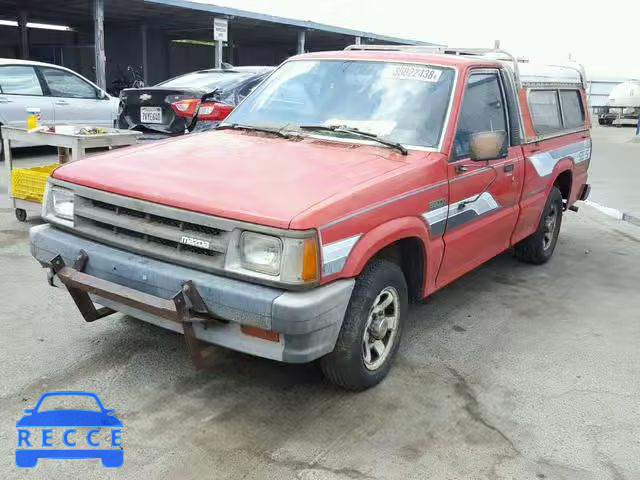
381,328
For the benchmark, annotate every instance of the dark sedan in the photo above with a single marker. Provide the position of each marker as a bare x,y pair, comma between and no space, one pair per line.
192,102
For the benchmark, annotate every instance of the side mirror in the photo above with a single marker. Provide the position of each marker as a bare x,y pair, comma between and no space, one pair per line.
102,95
487,145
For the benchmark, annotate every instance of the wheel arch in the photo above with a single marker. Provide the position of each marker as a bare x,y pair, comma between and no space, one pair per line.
403,241
564,182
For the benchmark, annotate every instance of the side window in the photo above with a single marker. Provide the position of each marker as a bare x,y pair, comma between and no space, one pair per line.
65,84
572,110
483,110
19,80
545,111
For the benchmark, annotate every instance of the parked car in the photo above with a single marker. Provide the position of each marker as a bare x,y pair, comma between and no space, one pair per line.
63,96
345,185
194,101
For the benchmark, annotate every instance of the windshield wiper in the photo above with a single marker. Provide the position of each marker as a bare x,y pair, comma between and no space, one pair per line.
355,131
251,128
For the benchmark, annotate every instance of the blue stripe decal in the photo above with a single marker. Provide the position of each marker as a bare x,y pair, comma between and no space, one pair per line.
334,255
459,213
545,162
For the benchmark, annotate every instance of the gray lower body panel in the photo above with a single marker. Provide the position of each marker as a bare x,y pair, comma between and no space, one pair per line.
308,321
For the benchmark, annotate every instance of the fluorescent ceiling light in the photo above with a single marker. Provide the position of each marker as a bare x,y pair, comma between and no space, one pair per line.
42,26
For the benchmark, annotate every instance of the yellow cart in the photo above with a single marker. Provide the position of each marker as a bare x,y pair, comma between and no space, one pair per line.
26,185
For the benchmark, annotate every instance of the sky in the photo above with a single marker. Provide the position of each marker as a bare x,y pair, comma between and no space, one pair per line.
604,38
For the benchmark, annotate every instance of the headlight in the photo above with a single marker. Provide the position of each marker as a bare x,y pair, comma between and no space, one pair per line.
279,259
261,253
62,203
57,205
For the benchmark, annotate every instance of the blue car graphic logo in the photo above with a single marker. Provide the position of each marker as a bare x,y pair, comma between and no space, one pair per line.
32,447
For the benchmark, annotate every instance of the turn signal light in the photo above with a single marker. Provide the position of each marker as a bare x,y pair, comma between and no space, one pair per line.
310,260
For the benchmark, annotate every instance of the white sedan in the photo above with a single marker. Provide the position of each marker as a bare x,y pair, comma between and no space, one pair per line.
63,96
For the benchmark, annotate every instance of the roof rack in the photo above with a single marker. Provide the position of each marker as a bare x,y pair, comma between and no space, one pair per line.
410,48
442,49
578,67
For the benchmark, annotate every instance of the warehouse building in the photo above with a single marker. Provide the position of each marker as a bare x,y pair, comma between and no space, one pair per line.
101,39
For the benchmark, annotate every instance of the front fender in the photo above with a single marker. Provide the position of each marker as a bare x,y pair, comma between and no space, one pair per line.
381,236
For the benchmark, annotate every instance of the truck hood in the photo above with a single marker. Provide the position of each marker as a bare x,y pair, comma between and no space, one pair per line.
244,176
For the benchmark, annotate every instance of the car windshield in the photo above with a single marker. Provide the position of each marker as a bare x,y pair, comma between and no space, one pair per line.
404,103
207,80
69,402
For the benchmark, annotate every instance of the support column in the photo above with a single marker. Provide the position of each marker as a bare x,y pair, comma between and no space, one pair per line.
302,39
358,40
98,30
24,34
218,53
144,30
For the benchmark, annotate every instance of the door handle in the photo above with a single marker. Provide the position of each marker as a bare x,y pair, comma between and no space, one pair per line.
508,168
62,102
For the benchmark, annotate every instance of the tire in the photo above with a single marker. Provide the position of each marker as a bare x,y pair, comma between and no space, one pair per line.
349,366
21,214
538,248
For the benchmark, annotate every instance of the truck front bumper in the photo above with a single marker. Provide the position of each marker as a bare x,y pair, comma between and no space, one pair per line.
307,322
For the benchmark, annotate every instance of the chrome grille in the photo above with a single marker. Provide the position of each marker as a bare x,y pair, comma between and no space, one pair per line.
154,230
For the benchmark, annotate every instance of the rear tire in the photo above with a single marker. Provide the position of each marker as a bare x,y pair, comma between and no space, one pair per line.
538,248
371,330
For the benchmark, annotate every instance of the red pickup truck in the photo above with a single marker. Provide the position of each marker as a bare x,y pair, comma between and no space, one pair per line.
343,187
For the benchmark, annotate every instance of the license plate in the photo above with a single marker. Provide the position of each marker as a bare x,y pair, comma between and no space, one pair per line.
150,114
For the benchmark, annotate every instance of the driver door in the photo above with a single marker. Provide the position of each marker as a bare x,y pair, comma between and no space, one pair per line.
483,196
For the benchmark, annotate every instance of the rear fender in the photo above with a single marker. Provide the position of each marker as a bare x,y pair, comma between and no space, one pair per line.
564,165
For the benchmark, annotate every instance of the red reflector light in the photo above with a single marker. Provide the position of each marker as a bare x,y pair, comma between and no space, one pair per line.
214,111
269,335
186,107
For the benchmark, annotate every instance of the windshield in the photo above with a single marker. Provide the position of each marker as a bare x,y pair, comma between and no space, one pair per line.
404,103
207,80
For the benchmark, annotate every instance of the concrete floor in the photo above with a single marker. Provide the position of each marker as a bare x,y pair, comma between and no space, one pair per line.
512,372
615,169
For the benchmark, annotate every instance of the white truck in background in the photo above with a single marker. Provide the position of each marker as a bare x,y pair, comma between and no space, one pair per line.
623,106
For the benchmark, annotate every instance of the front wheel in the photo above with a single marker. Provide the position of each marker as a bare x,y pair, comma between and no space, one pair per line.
371,330
538,248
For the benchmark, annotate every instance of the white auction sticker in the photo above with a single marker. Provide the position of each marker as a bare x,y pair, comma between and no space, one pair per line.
415,72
